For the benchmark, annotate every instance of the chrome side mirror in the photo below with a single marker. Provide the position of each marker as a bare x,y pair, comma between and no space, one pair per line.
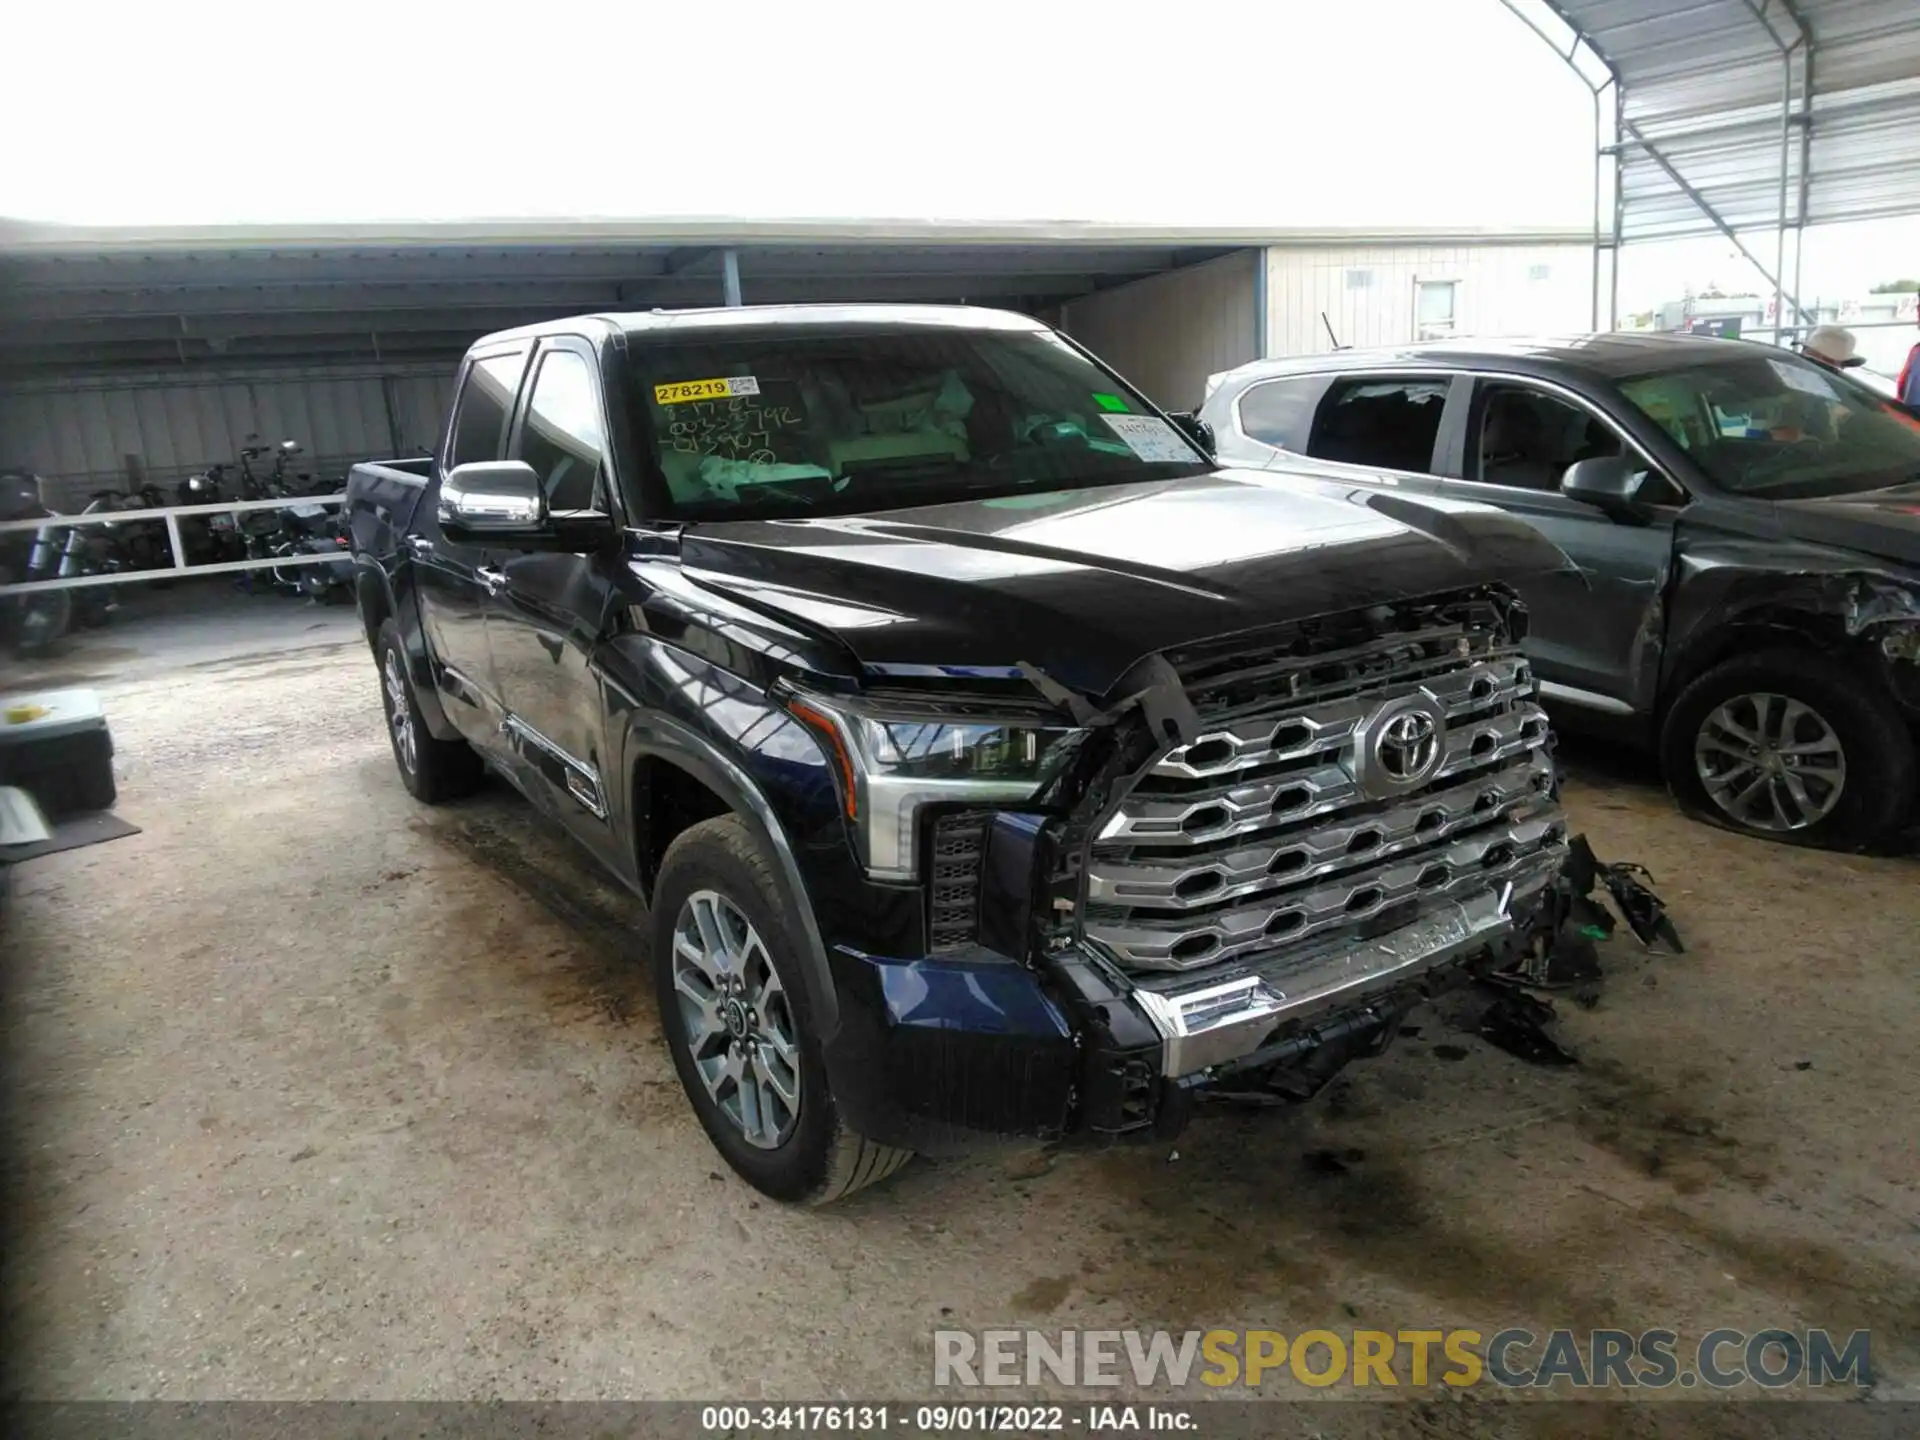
493,497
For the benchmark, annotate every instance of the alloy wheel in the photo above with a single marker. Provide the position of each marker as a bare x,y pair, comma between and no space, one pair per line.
400,711
1770,762
739,1026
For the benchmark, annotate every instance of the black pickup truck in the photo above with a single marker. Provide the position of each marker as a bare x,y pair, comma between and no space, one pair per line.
990,760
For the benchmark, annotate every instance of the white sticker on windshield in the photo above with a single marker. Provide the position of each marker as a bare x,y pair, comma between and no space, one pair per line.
1151,438
1804,378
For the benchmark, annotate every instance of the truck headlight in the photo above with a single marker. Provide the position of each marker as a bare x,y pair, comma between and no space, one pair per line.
891,757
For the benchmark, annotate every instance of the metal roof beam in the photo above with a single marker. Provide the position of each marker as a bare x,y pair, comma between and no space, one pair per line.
1785,46
1706,208
678,262
362,314
1570,56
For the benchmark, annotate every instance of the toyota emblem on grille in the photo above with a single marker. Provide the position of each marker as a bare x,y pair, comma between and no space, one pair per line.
1408,746
1400,745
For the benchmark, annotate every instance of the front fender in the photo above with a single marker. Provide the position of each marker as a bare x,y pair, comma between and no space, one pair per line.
1760,584
649,733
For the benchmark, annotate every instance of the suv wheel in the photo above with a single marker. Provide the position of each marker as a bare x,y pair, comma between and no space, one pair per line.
1789,745
432,770
736,1020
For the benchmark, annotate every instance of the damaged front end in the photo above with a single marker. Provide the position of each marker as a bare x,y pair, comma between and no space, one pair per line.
1278,844
1886,612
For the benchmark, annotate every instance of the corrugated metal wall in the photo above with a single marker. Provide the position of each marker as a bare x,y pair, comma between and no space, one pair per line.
114,432
1368,293
1168,333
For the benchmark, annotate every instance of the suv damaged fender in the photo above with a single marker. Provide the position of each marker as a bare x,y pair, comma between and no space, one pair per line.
1745,523
1799,592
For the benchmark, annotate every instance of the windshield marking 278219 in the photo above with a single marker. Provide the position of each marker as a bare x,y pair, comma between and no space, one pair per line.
779,427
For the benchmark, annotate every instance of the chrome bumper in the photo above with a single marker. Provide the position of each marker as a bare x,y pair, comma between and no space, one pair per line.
1212,1024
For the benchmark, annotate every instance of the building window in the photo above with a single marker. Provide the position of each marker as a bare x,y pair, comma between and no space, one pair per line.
1539,272
1359,279
1433,308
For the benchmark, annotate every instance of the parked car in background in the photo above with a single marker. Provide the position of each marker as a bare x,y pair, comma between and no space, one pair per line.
1745,530
990,760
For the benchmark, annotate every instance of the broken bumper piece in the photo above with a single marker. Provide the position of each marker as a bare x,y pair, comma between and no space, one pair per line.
1230,1019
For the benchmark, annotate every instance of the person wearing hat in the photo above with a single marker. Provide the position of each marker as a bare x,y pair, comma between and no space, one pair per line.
1832,346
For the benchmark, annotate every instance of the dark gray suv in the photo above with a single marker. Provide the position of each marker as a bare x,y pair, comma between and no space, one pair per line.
1744,527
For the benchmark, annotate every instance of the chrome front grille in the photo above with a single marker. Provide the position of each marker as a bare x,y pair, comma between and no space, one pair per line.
1277,825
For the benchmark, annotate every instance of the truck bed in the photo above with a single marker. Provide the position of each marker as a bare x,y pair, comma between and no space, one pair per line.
382,496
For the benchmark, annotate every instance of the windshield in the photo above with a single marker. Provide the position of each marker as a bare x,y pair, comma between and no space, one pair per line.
1781,427
795,423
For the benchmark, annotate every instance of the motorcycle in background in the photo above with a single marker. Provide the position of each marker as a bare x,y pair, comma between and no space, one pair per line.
315,530
135,545
35,622
277,481
294,529
208,539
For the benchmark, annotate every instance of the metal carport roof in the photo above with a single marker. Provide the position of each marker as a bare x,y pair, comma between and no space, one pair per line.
97,299
1735,116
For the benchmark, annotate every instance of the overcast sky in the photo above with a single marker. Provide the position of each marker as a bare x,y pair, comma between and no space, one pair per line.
1206,112
1282,112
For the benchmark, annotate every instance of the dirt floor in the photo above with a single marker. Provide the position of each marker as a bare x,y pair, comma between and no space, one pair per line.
320,1093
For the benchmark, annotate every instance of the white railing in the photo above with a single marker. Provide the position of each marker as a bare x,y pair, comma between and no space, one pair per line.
170,515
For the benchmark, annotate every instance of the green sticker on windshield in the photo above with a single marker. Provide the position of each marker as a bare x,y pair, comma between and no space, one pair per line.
1110,402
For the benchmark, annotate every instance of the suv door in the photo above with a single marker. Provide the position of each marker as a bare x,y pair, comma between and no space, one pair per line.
453,578
550,612
1595,635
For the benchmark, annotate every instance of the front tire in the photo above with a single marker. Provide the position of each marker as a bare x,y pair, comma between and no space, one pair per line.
1789,745
434,771
737,1020
35,622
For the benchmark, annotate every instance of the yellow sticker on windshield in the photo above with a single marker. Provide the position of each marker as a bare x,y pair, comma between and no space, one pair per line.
725,388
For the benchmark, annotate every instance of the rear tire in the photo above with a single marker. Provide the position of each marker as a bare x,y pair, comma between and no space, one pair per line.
715,880
434,771
1841,723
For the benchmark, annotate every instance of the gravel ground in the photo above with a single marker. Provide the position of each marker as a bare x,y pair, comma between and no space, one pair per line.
321,1094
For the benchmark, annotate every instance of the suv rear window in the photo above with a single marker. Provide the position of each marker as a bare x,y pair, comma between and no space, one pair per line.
1279,412
1391,424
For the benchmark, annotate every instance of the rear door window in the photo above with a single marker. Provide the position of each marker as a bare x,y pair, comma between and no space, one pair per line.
1386,423
480,412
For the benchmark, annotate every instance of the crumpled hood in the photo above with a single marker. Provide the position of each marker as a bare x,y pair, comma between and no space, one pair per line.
1881,523
1085,583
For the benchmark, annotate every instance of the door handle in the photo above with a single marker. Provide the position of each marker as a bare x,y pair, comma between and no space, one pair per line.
420,545
494,580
